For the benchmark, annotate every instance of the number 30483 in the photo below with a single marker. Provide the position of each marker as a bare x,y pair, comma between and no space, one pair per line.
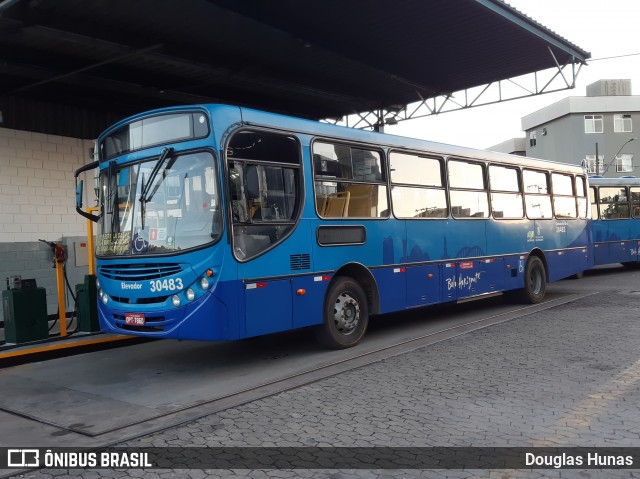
166,285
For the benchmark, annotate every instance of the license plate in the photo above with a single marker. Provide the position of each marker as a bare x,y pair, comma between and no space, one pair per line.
134,319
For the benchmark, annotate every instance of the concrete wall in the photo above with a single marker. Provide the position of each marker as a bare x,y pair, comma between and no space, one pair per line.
37,200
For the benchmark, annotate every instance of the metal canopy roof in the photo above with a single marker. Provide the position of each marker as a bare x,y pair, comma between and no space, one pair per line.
99,60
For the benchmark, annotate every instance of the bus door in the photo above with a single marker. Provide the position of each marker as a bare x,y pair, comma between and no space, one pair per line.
265,193
614,215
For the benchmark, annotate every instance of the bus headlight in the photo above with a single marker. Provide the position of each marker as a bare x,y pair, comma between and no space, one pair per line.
175,300
190,294
98,284
204,283
104,297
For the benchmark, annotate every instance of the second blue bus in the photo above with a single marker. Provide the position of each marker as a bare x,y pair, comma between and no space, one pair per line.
615,209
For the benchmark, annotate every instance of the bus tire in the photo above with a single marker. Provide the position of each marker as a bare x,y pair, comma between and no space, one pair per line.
535,281
346,314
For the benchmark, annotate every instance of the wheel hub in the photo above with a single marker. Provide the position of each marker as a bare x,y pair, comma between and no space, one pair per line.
346,313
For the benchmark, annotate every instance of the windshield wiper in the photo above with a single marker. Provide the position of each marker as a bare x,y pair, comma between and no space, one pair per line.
156,169
145,197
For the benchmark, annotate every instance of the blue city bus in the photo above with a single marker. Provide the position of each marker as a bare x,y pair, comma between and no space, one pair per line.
217,223
615,210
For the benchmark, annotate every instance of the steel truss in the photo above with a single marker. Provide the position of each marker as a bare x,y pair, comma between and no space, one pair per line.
562,77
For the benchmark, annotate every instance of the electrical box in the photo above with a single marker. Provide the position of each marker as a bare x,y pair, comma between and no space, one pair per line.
87,305
81,253
25,315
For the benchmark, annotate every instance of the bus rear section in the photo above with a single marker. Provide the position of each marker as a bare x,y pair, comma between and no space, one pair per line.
615,208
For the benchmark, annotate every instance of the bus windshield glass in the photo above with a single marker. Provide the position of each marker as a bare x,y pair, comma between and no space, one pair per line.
153,131
168,204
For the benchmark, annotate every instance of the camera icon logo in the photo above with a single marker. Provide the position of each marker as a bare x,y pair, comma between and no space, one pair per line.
23,458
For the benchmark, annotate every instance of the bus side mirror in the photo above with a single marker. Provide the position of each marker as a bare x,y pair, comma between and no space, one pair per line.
79,188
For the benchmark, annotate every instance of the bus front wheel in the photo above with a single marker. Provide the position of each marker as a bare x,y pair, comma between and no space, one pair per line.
535,281
346,314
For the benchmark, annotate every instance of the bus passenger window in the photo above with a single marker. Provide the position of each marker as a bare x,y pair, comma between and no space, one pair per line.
465,175
349,182
564,203
535,182
467,194
417,189
614,203
581,197
635,202
506,198
411,169
536,195
594,203
264,189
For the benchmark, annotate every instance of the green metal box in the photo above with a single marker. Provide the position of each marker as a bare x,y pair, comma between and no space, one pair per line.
87,305
25,315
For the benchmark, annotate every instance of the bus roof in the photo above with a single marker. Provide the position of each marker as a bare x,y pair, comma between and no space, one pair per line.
311,127
622,181
316,128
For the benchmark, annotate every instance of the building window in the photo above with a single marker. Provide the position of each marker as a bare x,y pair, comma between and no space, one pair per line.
624,163
622,124
532,138
593,123
591,164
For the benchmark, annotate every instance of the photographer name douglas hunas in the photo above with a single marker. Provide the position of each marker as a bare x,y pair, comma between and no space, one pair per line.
567,460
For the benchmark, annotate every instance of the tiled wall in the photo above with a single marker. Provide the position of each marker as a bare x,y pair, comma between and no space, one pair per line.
37,200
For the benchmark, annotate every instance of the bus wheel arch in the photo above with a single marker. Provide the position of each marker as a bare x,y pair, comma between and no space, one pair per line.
350,299
363,276
540,254
536,276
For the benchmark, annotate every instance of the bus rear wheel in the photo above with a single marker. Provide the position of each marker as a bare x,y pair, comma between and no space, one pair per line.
346,314
535,281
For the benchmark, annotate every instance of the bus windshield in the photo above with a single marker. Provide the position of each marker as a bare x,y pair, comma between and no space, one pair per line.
167,204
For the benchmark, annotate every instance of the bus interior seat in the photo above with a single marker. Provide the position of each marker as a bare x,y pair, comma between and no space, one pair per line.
321,204
337,204
362,200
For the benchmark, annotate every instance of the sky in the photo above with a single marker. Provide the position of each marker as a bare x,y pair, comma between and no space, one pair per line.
605,28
